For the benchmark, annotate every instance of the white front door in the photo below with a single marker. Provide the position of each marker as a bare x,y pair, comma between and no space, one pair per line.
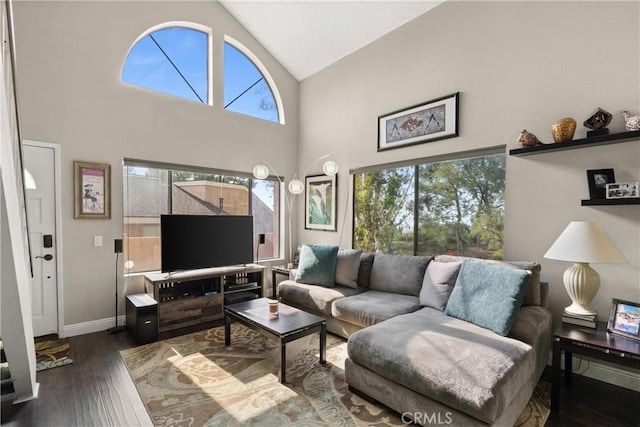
40,188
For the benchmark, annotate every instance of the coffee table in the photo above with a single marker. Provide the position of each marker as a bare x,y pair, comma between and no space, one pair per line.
289,325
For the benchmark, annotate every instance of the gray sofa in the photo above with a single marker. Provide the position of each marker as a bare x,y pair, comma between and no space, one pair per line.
409,346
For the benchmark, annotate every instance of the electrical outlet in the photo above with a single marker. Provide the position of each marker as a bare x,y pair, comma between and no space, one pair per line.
97,241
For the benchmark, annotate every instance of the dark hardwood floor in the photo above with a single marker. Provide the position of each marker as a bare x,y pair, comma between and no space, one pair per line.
96,390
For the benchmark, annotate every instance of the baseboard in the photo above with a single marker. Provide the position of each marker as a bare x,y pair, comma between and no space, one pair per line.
34,395
92,326
592,368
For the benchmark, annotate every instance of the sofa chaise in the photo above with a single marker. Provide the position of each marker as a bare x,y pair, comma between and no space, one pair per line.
442,339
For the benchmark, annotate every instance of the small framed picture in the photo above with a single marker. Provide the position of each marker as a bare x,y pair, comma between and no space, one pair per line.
92,190
598,180
622,190
624,318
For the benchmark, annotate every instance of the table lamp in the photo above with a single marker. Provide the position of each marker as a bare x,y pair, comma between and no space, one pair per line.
583,242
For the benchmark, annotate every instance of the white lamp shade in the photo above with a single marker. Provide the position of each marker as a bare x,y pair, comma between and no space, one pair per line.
260,171
296,186
586,242
330,168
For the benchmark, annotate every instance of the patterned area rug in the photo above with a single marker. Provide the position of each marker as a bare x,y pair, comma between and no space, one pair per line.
53,353
195,380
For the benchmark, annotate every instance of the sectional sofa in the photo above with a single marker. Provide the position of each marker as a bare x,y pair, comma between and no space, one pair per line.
442,339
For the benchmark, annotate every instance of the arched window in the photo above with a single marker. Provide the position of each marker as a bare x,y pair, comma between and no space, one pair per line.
172,58
248,87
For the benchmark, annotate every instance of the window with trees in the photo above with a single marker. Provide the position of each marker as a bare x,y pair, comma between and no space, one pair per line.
151,190
454,207
174,60
246,86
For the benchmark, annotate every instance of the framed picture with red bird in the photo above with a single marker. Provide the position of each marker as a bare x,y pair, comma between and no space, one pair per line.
430,121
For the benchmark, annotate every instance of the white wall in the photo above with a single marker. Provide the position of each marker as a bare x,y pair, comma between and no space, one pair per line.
69,59
518,65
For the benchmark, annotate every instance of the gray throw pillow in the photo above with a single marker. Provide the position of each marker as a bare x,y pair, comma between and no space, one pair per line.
347,267
317,265
438,283
399,274
488,295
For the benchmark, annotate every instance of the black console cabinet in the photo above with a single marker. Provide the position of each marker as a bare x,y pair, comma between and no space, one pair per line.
142,318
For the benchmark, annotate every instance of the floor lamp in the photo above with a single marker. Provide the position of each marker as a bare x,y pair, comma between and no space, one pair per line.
117,248
295,187
583,242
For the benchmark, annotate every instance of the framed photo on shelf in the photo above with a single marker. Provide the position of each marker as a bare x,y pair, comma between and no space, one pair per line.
320,202
624,318
430,121
623,190
92,192
598,180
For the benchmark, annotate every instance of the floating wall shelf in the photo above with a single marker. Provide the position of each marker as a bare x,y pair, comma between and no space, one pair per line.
613,138
609,202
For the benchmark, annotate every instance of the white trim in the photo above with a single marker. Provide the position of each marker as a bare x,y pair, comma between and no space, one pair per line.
33,396
260,66
92,326
58,227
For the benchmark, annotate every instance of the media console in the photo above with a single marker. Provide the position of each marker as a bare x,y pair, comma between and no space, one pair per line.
191,297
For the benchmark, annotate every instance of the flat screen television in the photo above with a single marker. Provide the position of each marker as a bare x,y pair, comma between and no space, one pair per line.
189,242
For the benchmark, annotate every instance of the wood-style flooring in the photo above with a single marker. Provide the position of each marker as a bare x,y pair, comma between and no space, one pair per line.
96,390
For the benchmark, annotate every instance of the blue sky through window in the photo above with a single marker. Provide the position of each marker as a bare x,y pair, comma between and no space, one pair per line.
245,89
174,61
148,67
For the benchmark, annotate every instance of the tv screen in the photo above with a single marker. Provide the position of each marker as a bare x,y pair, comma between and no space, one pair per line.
189,242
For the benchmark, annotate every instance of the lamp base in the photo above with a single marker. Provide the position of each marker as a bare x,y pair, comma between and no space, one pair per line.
581,283
580,310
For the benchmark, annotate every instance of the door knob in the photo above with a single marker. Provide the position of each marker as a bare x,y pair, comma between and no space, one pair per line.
47,257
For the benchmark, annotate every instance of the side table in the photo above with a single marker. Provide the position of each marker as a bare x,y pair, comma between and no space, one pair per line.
595,343
276,270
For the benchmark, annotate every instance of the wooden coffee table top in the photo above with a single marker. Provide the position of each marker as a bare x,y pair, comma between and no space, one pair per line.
288,320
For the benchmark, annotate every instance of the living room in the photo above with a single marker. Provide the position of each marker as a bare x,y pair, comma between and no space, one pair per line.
516,65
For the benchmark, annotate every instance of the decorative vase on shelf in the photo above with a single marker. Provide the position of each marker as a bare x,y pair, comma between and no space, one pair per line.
631,122
563,130
598,122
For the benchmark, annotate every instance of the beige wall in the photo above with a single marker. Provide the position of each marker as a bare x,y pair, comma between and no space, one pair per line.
69,59
517,65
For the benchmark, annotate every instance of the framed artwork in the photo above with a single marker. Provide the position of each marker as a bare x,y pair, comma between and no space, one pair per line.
92,194
430,121
623,190
624,318
598,180
320,202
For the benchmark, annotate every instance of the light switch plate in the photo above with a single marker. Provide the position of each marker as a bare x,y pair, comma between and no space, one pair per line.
97,241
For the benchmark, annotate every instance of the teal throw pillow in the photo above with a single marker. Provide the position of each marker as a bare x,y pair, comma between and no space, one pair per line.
317,265
488,295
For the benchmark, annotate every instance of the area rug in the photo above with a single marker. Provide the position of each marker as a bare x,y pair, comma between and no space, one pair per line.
52,353
195,380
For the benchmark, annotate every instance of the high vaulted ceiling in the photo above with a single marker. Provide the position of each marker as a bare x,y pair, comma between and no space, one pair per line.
306,36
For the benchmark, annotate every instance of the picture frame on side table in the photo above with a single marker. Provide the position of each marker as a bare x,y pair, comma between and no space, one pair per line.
92,192
623,190
624,318
320,202
598,180
430,121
